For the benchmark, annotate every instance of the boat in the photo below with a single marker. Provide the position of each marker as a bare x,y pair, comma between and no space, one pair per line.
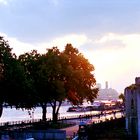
75,109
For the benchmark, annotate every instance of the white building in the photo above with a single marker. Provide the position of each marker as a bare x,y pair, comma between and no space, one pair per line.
107,93
132,105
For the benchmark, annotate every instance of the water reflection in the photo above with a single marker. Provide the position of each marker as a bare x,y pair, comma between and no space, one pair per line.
17,115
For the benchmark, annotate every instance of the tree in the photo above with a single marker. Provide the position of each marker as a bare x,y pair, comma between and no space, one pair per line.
17,86
13,79
11,76
70,78
57,76
122,97
33,65
56,80
80,81
45,72
5,57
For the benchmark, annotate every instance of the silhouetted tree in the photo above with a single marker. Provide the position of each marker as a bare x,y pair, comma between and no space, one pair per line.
12,77
80,80
121,96
72,76
57,76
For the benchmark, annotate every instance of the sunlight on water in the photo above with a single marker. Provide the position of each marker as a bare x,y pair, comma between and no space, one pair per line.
18,115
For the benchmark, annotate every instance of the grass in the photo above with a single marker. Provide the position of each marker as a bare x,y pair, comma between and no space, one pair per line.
60,125
112,130
50,125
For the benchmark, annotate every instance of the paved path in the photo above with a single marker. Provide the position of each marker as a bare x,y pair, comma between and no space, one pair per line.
71,130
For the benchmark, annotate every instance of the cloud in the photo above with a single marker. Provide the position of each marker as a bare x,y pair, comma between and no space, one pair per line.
17,46
20,47
113,55
75,39
109,41
4,2
117,65
126,40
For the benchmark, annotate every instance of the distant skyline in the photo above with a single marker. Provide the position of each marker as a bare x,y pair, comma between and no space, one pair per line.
107,32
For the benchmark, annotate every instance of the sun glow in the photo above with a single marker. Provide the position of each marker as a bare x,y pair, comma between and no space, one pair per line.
115,57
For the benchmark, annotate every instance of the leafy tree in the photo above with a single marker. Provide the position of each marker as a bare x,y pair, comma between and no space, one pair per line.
5,57
46,73
32,63
56,80
13,78
57,76
17,83
70,78
122,97
52,77
80,80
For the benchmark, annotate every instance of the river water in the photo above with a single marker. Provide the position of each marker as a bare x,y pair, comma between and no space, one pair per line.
12,114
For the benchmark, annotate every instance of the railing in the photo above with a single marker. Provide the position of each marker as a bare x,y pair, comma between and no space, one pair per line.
8,125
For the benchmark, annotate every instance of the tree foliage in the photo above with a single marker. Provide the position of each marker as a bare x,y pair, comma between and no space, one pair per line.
80,81
14,82
5,57
39,79
122,97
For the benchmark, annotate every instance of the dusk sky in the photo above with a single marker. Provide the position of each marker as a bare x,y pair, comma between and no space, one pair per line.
107,32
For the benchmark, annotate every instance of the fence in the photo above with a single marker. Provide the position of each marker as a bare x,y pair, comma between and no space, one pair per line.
28,123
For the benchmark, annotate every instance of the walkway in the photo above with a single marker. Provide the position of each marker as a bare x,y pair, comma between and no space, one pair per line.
70,119
72,131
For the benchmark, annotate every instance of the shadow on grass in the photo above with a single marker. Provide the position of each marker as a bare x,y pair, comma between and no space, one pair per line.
50,125
111,130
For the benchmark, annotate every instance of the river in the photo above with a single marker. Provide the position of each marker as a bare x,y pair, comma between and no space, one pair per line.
12,114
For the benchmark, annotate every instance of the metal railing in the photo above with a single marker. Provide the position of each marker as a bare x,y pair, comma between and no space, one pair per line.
29,122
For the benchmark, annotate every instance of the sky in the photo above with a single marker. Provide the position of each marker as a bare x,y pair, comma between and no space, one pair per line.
106,32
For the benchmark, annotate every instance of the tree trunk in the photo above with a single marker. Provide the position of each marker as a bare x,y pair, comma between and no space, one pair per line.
1,109
56,111
44,111
54,117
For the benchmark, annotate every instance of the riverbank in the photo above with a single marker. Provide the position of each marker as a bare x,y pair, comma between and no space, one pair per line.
68,125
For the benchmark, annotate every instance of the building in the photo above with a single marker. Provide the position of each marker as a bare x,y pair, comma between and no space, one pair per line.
132,106
107,93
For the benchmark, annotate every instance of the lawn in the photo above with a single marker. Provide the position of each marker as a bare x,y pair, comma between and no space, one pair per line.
111,130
